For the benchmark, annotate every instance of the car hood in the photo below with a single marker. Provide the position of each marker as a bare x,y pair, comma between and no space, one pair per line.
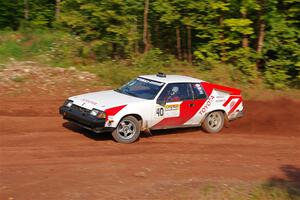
104,99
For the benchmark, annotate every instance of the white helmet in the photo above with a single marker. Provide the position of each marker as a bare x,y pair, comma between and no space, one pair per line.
174,90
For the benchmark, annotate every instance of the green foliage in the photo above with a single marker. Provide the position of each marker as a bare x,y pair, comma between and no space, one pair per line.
111,23
57,47
240,25
216,72
10,49
207,53
219,5
270,192
282,51
276,77
41,13
244,60
152,61
169,11
267,191
222,31
10,14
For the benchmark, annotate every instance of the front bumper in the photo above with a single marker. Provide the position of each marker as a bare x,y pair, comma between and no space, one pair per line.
84,119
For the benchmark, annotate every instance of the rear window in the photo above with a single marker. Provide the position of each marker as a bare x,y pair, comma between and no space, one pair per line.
198,90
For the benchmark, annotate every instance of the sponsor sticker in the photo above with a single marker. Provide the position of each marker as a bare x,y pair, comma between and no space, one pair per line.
172,110
89,101
151,82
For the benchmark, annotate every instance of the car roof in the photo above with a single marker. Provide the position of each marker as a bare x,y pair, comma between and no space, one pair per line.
171,78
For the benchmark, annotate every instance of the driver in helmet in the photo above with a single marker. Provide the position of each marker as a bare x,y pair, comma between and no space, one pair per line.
173,94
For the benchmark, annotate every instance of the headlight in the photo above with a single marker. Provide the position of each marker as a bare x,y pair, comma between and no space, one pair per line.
98,113
68,103
94,112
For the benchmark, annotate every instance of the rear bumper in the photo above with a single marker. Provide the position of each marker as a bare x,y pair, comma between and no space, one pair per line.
84,119
236,115
240,114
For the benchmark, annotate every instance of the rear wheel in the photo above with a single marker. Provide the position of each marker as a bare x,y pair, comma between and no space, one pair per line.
127,131
214,122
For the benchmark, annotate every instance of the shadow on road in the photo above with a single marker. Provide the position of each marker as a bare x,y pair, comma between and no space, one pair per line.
107,136
176,131
87,133
290,184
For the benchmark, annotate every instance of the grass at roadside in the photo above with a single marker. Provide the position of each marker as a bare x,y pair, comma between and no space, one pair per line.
286,187
241,191
256,192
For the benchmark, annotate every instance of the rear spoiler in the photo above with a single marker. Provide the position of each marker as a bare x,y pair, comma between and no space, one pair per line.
209,87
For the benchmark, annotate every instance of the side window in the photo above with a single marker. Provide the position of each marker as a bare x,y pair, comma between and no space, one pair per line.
198,91
176,92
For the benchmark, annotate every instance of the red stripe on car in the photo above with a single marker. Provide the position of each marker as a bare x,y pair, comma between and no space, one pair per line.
229,99
235,106
113,111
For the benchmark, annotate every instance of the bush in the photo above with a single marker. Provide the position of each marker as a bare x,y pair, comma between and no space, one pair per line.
276,78
10,49
153,61
244,59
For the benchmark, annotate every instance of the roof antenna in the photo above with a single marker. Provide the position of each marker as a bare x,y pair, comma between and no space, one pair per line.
161,74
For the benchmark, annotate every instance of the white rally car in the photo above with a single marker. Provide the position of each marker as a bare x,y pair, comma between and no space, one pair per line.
152,102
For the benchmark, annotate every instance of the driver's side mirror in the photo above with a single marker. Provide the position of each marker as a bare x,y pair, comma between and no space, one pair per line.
161,102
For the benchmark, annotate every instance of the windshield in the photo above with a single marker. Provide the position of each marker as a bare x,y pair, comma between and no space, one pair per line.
141,88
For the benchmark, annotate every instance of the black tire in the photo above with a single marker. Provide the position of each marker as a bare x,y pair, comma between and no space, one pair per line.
127,131
213,122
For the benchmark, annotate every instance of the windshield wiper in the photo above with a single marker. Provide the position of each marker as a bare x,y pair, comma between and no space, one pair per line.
125,92
131,94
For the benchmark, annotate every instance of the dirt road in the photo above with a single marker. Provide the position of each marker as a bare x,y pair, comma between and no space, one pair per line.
44,157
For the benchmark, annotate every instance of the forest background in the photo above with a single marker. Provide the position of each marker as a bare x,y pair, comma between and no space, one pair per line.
242,43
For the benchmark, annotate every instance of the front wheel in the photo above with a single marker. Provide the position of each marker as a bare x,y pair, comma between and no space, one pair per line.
127,131
213,122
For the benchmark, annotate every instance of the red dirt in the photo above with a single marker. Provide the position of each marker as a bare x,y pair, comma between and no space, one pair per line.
44,157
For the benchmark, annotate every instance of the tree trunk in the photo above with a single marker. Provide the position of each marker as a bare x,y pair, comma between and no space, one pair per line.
261,36
136,42
178,43
261,27
261,32
114,50
57,10
189,44
157,35
145,33
222,37
245,41
184,44
26,9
